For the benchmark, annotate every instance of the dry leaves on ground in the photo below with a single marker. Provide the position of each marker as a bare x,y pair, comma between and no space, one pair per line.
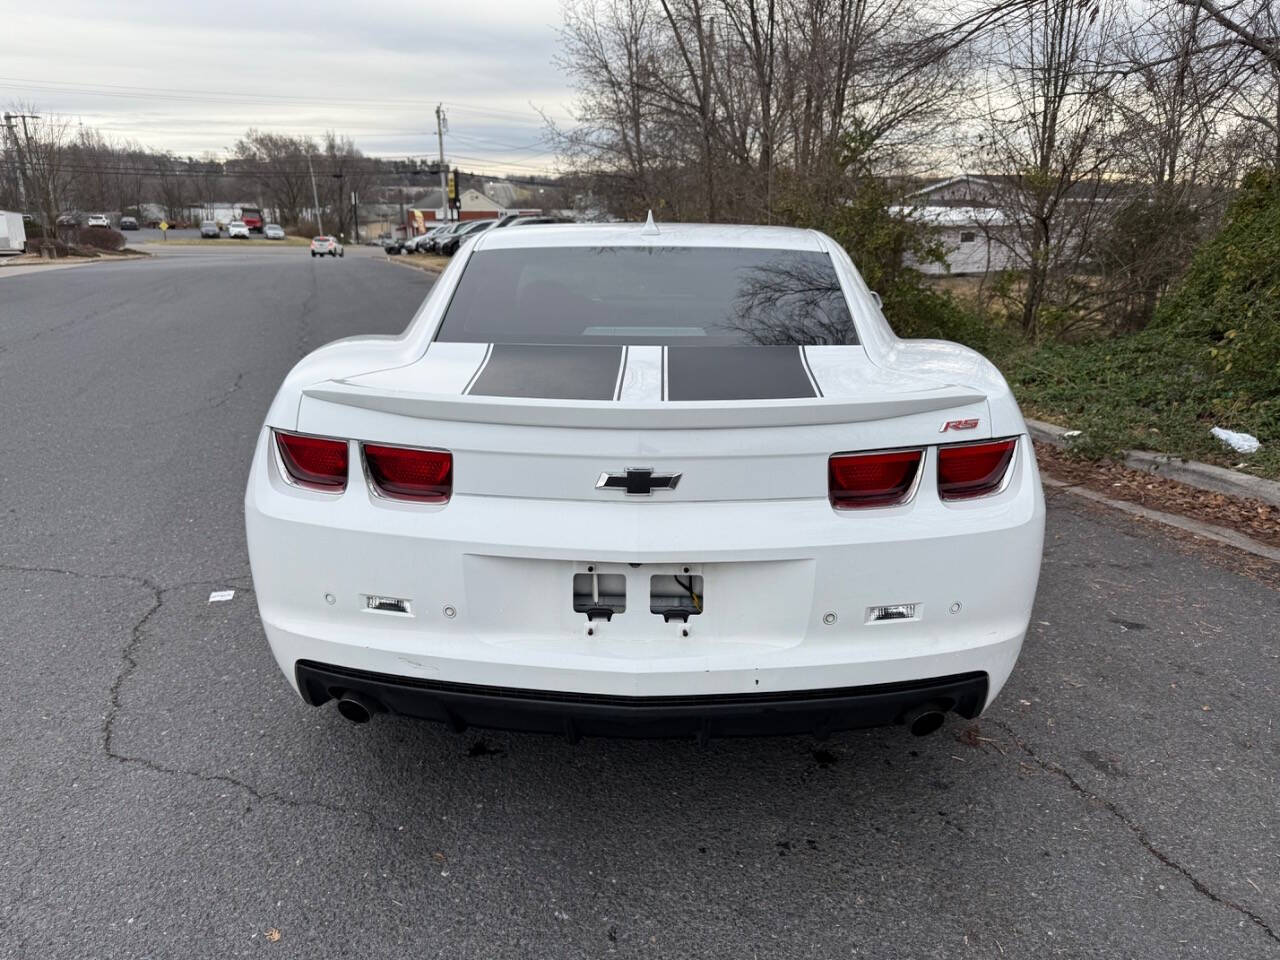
1253,518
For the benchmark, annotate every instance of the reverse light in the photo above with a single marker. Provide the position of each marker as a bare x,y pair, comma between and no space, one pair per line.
892,611
316,463
967,470
871,479
377,604
407,473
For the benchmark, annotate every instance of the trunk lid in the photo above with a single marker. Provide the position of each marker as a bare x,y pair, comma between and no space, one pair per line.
554,422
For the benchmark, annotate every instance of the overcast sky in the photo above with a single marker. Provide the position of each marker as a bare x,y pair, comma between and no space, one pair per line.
192,77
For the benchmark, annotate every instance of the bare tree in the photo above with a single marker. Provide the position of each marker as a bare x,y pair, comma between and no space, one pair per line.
1173,102
716,108
276,166
173,182
43,144
1048,144
342,170
610,48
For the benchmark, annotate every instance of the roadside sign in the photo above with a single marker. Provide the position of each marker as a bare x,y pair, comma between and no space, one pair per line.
164,225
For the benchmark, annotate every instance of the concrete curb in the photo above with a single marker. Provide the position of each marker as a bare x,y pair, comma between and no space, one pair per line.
1206,531
421,267
1203,476
65,263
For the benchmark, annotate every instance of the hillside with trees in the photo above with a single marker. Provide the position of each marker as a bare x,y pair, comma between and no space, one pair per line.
1117,135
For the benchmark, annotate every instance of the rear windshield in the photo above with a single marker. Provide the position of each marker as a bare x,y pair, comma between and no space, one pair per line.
691,296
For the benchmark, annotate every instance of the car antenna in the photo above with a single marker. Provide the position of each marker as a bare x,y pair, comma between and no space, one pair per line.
650,228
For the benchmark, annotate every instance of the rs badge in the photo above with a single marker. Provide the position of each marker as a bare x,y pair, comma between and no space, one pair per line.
959,425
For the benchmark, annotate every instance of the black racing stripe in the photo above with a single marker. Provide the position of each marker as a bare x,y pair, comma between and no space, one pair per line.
550,372
737,373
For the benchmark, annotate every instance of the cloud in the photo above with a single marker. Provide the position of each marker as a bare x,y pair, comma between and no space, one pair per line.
192,77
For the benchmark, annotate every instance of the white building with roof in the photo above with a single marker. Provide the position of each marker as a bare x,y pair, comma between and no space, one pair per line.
975,234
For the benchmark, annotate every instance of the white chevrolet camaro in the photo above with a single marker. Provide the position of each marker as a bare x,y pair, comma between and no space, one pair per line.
647,481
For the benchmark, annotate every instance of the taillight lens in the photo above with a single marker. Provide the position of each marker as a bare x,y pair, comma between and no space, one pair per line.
403,473
871,479
973,469
314,462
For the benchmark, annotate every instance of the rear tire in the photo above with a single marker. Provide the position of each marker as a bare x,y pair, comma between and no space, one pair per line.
313,254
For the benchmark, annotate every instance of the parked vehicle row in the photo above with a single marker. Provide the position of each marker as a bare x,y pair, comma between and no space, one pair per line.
237,230
446,238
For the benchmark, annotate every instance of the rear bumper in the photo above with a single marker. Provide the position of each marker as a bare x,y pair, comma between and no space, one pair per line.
488,587
576,715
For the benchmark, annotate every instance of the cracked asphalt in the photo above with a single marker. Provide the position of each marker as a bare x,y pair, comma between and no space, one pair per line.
165,794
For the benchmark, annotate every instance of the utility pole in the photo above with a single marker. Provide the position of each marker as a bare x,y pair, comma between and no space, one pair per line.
11,158
49,228
315,195
355,214
11,129
444,190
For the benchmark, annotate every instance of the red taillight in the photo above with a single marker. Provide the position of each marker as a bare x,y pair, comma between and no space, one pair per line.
314,462
973,469
871,479
407,474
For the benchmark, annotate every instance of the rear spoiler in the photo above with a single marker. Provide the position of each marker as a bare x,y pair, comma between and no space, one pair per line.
669,415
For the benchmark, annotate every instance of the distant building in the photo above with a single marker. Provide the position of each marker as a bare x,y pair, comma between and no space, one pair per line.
975,233
978,235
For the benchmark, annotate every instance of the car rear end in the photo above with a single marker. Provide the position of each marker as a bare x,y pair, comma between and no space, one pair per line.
321,246
627,528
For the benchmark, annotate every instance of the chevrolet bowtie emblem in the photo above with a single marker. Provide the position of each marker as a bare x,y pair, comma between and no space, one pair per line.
638,481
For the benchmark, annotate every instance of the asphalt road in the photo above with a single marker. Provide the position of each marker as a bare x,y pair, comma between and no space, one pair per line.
165,794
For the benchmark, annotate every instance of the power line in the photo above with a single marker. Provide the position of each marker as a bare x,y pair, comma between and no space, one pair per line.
192,94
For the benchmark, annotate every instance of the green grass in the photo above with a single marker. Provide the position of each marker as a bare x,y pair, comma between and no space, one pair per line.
1211,356
1146,392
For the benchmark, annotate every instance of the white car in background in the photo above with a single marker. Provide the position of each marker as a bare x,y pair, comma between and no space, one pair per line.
659,481
320,246
237,229
98,220
273,231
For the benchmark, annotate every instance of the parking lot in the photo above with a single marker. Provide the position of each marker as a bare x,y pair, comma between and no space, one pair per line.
168,795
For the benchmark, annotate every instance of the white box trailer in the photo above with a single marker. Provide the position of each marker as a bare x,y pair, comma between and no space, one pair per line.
13,235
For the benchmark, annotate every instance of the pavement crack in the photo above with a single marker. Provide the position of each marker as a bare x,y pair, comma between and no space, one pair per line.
129,665
1136,829
62,571
226,395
